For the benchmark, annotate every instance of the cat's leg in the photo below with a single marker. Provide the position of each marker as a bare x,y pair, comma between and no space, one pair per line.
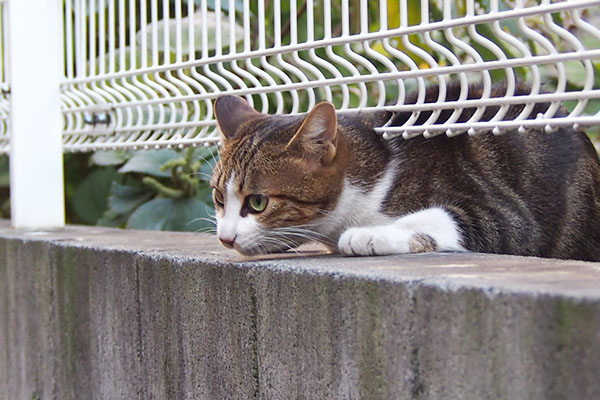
432,229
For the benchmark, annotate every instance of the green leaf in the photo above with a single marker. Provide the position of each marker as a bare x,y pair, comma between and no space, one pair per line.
91,197
112,219
124,198
211,33
205,194
4,172
105,158
575,73
149,162
186,214
592,107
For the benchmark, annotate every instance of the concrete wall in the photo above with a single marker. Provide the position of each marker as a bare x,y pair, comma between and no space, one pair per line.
89,313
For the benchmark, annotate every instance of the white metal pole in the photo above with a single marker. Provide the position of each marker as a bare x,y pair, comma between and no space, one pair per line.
36,164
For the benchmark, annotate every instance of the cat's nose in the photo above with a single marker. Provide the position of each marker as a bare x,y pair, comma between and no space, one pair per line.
228,242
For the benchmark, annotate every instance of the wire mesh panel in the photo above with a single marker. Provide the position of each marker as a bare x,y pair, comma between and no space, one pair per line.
143,74
4,86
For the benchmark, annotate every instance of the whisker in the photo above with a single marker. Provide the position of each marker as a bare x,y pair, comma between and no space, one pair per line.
301,232
206,230
278,242
309,237
324,212
214,151
211,220
202,174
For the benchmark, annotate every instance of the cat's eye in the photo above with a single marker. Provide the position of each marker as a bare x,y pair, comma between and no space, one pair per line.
257,202
218,198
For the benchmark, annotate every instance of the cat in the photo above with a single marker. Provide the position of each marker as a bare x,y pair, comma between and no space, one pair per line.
326,176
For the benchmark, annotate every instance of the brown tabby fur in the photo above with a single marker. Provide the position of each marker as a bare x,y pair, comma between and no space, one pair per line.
534,194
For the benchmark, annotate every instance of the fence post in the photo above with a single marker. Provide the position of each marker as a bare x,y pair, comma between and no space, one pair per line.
36,164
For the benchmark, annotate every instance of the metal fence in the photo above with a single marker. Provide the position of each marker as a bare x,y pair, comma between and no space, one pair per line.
142,74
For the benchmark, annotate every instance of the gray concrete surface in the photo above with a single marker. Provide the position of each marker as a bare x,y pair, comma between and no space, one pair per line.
91,313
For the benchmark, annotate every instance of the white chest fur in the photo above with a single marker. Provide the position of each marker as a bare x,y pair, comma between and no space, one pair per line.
359,227
357,207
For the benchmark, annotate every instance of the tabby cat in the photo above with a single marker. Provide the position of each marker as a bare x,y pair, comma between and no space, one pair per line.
283,180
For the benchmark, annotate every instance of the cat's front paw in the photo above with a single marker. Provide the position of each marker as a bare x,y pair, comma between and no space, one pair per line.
384,240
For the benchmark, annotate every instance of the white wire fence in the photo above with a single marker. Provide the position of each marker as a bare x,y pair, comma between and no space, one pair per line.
144,74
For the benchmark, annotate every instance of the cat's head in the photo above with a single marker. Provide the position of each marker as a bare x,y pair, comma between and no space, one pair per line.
277,176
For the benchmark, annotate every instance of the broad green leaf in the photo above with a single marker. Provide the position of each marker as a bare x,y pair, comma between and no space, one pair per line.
124,199
378,47
112,219
105,158
171,215
592,107
393,14
91,197
414,12
575,73
577,76
149,162
589,41
205,195
196,23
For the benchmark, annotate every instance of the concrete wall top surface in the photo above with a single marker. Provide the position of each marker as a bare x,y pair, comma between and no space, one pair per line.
490,272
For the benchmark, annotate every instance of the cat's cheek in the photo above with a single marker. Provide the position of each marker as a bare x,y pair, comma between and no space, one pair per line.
247,232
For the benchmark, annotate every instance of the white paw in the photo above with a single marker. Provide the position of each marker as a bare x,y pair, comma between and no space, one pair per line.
374,241
432,229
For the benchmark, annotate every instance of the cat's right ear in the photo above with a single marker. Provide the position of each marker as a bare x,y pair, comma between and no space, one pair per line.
231,112
317,135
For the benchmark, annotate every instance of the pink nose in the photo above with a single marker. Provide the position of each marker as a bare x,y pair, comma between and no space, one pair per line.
228,242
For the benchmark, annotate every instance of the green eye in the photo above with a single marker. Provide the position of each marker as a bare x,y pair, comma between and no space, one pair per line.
257,202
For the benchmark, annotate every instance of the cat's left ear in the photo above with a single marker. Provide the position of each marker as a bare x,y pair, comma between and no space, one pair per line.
318,133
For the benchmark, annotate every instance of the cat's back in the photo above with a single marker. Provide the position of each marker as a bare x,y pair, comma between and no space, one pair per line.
530,193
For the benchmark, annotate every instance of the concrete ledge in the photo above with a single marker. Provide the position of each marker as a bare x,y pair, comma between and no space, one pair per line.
91,313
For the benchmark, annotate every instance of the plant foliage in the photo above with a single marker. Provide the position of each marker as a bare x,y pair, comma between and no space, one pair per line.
158,189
